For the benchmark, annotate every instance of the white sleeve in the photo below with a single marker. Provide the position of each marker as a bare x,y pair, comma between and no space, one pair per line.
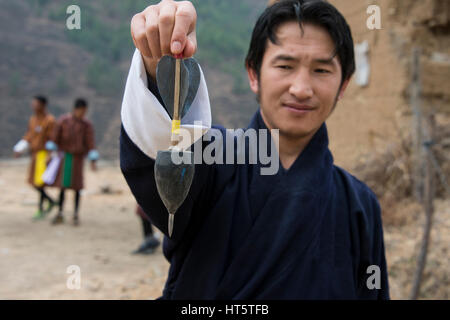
145,120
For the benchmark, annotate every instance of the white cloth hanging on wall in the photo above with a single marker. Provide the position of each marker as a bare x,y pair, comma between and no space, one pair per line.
362,64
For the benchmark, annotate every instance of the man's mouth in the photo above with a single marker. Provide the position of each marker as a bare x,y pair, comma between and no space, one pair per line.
298,108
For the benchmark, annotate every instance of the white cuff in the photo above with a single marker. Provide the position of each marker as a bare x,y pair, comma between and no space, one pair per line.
21,146
93,155
146,121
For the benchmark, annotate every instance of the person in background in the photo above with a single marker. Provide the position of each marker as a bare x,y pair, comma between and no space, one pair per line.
40,127
73,137
150,242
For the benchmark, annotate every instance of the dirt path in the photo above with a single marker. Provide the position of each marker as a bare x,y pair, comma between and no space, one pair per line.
34,256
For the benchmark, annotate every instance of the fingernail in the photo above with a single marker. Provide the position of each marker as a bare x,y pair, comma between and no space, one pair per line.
176,47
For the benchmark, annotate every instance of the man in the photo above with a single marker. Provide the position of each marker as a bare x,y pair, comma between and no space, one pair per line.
39,131
74,138
309,231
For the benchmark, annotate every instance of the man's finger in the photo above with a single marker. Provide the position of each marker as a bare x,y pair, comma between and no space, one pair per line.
166,24
185,19
191,45
152,32
139,36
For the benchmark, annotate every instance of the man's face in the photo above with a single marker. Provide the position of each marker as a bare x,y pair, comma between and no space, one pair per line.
79,113
299,80
37,106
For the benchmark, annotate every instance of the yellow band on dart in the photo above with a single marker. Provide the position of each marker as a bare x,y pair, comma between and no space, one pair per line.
176,126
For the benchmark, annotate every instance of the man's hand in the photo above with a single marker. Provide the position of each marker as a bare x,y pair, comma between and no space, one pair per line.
164,29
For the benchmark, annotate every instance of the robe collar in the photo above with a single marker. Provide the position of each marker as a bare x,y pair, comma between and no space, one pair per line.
316,152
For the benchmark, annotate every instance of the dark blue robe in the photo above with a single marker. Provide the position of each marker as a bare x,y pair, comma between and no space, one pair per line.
309,232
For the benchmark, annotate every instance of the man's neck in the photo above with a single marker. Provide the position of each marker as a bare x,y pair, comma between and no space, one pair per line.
290,149
75,117
40,114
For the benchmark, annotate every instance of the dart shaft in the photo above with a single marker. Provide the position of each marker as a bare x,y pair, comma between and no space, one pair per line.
176,104
175,125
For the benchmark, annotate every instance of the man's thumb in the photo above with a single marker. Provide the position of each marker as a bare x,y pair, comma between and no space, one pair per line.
176,47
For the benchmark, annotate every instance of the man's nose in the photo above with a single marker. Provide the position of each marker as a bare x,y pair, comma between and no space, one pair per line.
301,87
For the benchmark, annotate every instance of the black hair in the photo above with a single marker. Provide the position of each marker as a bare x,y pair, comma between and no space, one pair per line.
316,12
80,103
43,100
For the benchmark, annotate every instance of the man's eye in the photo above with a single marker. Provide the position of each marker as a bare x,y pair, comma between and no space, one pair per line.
284,67
322,71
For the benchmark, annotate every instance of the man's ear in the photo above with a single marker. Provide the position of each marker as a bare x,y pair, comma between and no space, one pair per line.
252,79
343,87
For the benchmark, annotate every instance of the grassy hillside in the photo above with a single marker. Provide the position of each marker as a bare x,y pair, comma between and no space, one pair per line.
42,56
224,29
